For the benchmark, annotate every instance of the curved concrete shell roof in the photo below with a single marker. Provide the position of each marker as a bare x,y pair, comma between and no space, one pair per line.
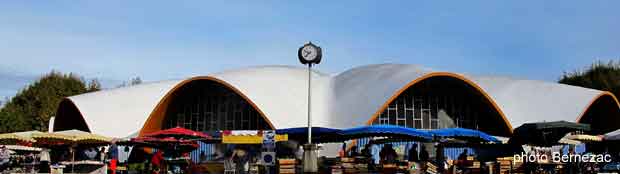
350,98
122,111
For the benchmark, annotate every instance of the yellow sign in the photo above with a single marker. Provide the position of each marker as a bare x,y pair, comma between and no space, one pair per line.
249,139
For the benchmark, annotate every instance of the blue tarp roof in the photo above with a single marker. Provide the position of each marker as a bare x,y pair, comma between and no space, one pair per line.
463,133
385,131
402,133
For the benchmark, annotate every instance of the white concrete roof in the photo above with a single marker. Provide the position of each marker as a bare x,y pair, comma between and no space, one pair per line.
122,111
344,100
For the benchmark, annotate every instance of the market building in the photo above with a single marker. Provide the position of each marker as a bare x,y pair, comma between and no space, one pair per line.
274,97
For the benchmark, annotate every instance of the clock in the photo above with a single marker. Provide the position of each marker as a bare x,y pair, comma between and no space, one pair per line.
309,54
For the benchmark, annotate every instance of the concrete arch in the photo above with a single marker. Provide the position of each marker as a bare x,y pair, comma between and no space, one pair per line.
155,120
442,74
69,116
610,107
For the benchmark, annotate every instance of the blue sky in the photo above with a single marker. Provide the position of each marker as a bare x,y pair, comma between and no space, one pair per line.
114,41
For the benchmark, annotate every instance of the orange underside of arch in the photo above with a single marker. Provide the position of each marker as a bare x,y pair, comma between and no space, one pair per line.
440,74
156,118
599,96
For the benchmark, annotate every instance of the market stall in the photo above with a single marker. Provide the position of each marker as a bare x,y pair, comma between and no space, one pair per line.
539,139
62,145
165,150
84,149
364,162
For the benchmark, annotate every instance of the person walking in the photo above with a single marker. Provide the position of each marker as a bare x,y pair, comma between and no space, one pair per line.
353,152
424,157
388,154
113,156
241,159
5,157
412,157
156,162
44,160
367,153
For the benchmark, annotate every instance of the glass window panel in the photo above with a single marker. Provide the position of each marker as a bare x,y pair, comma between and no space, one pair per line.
426,119
418,124
402,123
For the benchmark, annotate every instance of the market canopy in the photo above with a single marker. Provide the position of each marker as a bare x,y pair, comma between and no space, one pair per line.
16,138
168,143
390,131
545,133
612,136
464,134
22,148
585,138
82,137
181,133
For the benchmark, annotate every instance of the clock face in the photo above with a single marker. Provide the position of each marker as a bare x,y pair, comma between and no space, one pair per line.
309,52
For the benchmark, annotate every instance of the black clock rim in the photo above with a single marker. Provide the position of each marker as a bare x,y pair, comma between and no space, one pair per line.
316,60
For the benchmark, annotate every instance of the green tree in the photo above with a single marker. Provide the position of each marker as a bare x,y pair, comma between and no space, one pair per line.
601,76
32,107
131,82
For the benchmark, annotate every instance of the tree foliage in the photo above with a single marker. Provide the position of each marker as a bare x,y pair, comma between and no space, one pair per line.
32,107
131,82
601,76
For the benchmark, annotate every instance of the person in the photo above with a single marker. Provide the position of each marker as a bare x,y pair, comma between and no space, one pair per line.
423,158
342,152
241,159
113,156
412,155
353,152
29,163
299,154
90,154
203,157
5,157
463,155
461,163
571,166
367,153
102,154
388,154
44,160
156,160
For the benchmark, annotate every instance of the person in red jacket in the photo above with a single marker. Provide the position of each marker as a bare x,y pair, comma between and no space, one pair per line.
156,161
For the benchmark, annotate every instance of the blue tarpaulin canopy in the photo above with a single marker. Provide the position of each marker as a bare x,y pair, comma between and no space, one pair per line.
463,133
385,131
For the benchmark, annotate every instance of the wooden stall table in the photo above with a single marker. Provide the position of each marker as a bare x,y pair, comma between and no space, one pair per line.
212,167
85,166
390,168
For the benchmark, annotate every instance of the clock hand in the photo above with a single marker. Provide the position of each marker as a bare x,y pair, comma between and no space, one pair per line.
306,53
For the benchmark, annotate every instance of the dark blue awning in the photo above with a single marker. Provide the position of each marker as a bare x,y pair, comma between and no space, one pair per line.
463,133
386,131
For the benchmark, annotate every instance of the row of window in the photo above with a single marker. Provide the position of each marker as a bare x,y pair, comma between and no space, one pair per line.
424,112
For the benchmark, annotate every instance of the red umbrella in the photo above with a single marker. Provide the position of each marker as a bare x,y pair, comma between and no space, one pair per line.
164,143
179,132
